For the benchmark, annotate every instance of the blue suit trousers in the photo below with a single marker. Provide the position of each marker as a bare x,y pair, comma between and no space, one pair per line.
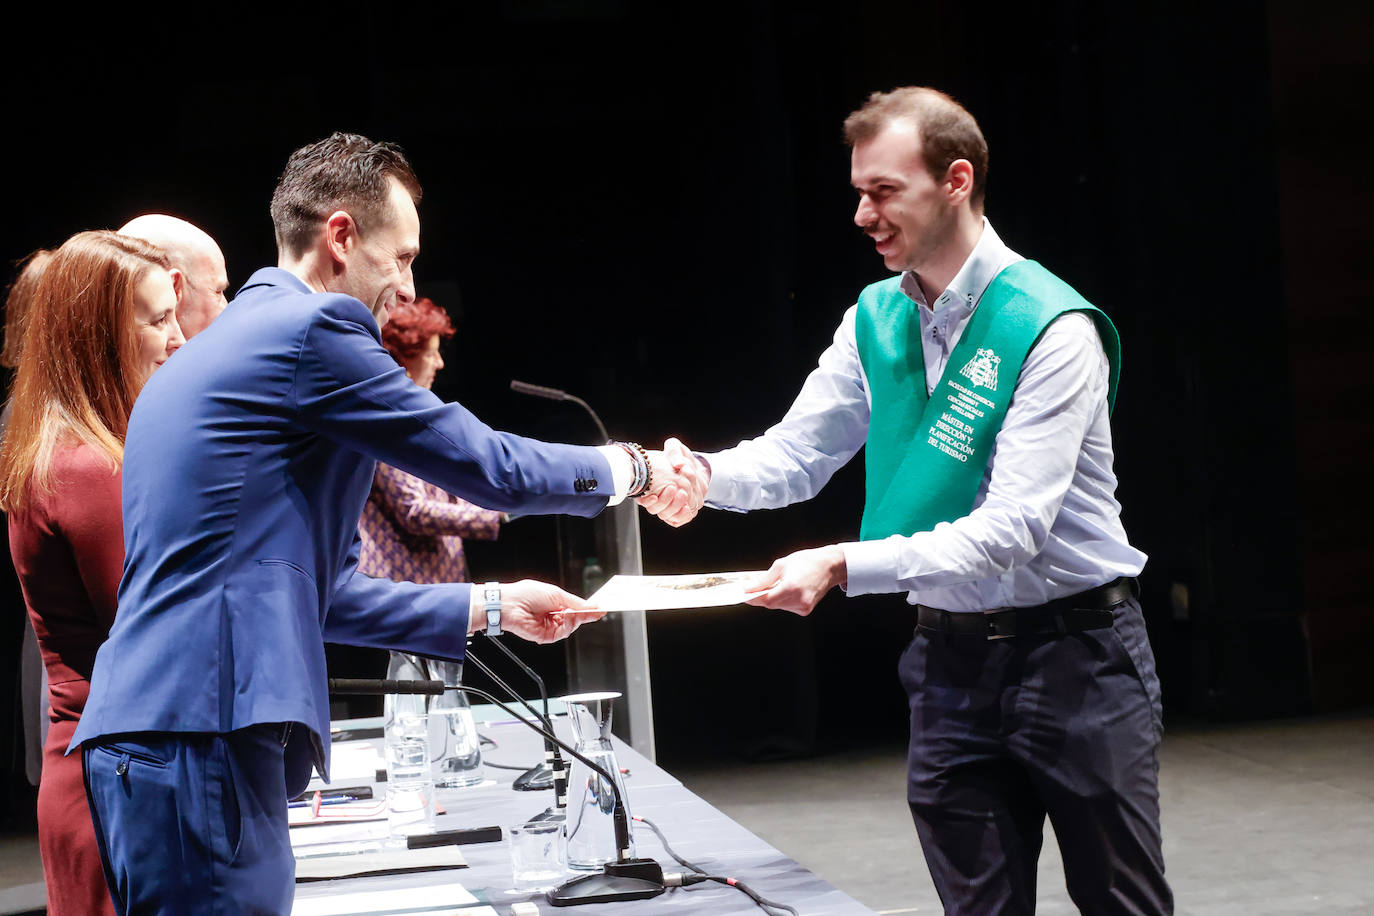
1007,732
191,823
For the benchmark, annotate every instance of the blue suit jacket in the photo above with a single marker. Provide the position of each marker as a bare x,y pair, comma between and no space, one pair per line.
248,459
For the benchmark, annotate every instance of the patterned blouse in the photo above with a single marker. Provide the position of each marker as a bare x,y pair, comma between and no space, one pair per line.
413,531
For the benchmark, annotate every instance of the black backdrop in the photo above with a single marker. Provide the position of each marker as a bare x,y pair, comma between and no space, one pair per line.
649,207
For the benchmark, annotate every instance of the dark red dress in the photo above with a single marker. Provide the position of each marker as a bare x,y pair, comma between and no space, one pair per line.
68,548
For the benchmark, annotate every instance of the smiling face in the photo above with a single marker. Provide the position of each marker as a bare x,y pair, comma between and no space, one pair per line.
155,321
902,207
379,266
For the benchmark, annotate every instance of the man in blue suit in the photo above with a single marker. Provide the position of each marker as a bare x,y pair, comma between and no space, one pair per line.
247,464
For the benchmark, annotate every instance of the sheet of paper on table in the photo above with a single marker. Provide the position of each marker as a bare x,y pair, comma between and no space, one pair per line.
346,832
450,899
669,593
353,761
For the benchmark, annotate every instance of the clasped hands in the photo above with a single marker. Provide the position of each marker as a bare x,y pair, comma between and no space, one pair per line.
678,489
796,582
545,613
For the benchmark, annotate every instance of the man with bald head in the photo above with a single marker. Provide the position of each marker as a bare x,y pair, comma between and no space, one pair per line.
198,273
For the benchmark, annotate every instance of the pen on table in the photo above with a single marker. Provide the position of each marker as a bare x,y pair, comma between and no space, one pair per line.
323,800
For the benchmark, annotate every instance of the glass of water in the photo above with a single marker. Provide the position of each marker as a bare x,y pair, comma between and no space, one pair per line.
538,855
409,780
453,742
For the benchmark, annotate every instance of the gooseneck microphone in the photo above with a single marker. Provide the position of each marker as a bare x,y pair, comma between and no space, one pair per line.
370,686
552,768
529,672
550,774
626,878
553,394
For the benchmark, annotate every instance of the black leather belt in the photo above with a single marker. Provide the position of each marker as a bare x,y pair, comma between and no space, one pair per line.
1090,610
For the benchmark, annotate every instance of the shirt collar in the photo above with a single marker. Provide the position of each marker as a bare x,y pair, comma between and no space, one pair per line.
984,263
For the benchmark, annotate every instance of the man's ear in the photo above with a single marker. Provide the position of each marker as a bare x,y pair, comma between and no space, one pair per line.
178,284
340,235
959,181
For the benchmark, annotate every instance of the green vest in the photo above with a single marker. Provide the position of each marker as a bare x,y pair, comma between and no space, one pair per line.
926,454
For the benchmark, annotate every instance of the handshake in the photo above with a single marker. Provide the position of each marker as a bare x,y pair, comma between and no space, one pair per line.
678,489
795,583
543,613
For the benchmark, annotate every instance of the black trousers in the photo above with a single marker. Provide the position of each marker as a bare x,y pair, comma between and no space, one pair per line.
1006,732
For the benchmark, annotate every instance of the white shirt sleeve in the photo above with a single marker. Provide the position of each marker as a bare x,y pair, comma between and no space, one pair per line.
825,426
1062,386
622,472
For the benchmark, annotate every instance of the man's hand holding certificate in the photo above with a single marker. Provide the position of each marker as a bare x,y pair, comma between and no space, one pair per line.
665,593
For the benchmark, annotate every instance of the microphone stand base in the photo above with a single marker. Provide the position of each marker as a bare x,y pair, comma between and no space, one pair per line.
632,879
535,779
550,814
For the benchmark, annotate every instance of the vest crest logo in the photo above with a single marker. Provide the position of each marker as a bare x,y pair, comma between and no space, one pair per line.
982,369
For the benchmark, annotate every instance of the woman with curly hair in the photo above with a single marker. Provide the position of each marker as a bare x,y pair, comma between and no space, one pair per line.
411,530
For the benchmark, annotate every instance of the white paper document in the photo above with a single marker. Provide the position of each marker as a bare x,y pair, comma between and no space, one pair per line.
450,898
346,832
666,593
355,760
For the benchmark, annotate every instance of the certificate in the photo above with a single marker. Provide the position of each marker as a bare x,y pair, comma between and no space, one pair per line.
666,593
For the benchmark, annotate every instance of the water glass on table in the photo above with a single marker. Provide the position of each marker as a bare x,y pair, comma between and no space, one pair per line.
538,855
410,783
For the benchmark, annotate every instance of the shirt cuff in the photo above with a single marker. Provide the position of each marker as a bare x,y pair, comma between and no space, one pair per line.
622,471
723,491
872,567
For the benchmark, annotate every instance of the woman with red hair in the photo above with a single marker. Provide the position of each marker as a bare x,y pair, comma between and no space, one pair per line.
101,321
411,530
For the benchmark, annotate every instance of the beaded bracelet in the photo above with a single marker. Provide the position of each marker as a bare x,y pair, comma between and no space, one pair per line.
644,473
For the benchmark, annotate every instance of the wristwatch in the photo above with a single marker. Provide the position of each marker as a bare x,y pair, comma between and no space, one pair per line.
491,594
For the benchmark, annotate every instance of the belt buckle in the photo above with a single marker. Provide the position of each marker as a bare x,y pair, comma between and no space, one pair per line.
1000,631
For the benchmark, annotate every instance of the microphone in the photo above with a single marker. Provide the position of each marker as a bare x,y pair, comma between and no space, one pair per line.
553,394
364,686
552,769
550,774
538,391
626,878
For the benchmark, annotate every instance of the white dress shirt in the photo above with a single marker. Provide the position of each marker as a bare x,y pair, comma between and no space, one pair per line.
1045,523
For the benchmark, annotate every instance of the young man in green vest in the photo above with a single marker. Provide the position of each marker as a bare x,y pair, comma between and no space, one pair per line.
982,386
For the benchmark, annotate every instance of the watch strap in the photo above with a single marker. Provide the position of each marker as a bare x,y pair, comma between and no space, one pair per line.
491,603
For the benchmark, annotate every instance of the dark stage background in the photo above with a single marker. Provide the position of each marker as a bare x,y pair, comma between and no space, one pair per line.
651,209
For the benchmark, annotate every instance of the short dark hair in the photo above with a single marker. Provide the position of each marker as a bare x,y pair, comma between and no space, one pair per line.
341,172
947,130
